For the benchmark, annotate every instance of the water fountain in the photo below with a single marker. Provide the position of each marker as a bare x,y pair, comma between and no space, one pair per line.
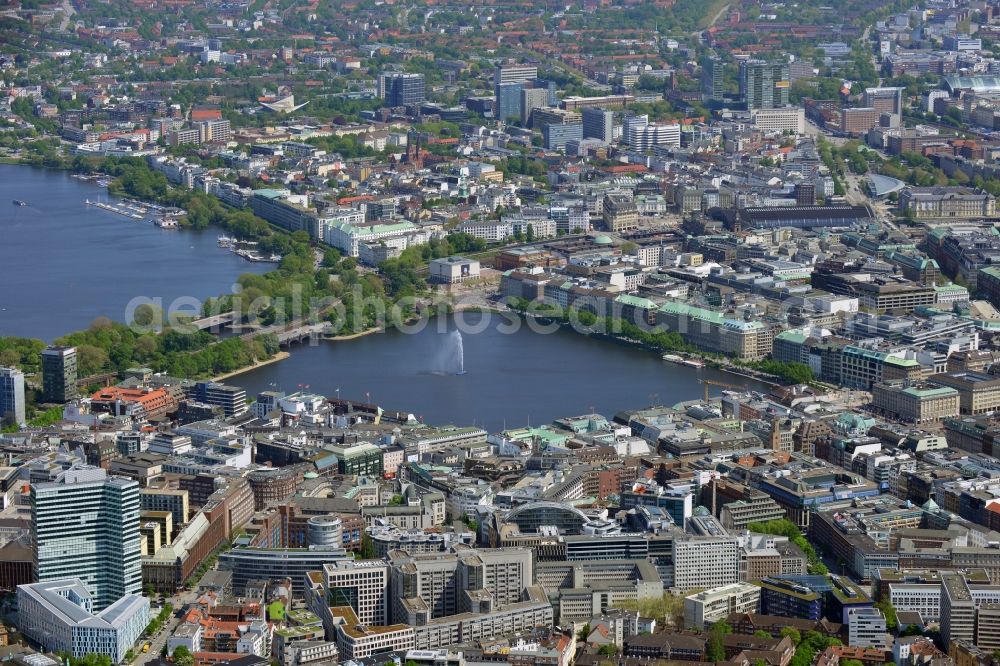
459,351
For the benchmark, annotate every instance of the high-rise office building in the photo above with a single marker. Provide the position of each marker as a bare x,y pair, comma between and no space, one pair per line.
401,88
85,525
598,123
764,85
885,100
555,136
531,99
508,101
232,399
364,586
550,86
59,374
11,396
712,78
705,562
631,122
513,73
647,137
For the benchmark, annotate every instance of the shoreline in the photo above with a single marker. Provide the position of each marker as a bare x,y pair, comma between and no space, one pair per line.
709,361
736,373
353,336
280,356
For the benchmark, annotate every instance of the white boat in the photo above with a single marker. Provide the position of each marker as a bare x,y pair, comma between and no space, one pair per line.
693,363
226,241
673,358
166,223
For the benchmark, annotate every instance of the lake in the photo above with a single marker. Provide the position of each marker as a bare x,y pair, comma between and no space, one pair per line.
64,263
510,380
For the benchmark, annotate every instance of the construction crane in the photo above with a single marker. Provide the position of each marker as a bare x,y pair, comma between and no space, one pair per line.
712,382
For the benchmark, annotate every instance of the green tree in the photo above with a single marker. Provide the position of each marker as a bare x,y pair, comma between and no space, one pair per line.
367,551
889,611
608,650
90,359
715,649
182,656
792,633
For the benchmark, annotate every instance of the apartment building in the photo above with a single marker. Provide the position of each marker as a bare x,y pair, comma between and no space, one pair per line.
764,85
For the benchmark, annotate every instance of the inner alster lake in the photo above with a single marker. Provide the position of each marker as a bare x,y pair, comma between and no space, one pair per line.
64,263
510,379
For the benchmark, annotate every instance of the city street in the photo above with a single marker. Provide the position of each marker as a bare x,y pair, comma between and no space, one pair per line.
159,641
